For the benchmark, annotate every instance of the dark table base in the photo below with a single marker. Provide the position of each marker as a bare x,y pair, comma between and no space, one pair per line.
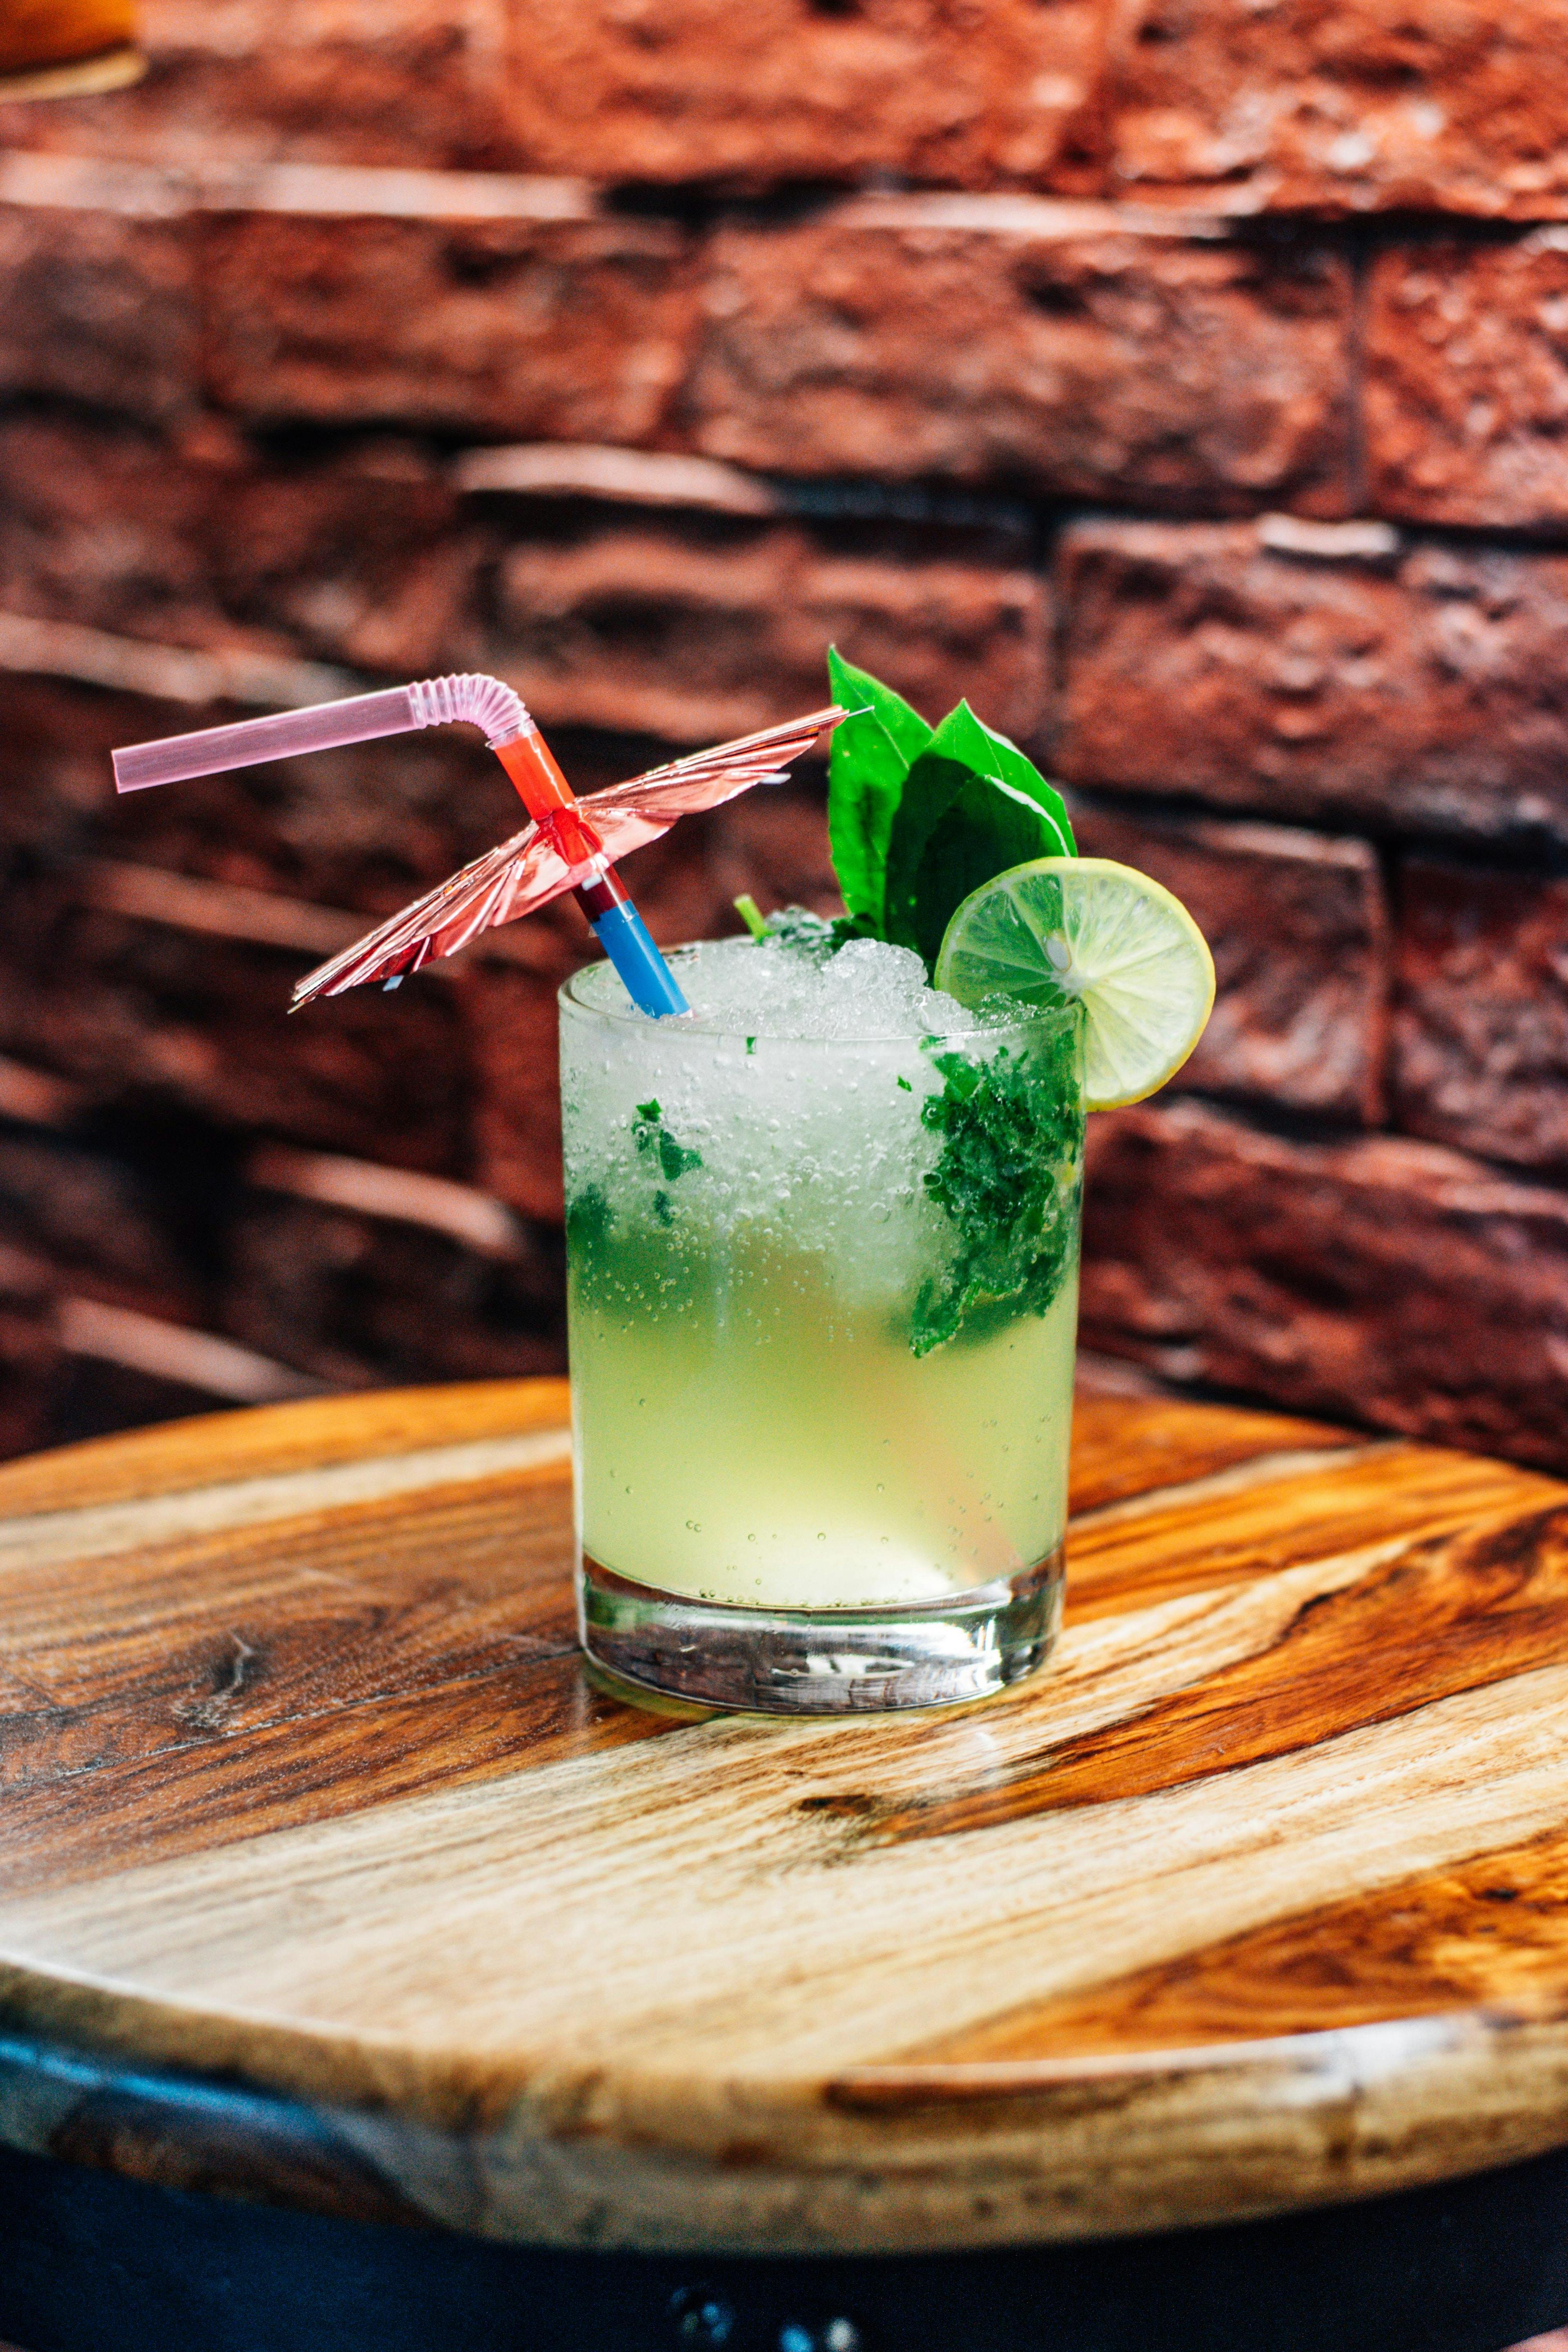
89,2262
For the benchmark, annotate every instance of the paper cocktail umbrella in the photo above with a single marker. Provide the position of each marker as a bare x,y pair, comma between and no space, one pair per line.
570,846
533,866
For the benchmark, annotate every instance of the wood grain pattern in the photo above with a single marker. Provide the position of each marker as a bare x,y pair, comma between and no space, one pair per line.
1259,1895
219,1449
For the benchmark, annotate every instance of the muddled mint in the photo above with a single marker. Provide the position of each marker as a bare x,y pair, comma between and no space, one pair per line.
1007,1179
917,818
654,1141
588,1221
802,933
797,930
590,1218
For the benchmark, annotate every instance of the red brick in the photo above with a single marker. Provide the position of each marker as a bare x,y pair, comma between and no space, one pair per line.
1379,1279
684,93
1300,936
512,1043
359,1301
112,527
147,1017
98,305
101,1394
679,91
1004,339
695,630
365,828
570,328
370,82
1481,1011
1350,105
32,1365
366,555
686,626
1415,688
367,560
55,779
1467,382
774,844
107,1229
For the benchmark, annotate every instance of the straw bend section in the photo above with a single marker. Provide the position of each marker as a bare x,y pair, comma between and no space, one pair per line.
472,698
483,702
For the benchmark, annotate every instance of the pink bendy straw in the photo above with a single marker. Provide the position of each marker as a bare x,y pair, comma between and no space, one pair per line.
434,702
361,719
565,847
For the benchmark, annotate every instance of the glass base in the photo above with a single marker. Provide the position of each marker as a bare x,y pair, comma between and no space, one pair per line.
821,1661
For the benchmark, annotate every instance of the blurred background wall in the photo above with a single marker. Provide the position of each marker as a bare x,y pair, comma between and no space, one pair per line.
1186,381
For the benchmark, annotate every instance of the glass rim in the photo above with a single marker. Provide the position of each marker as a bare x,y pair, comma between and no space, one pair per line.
1029,1018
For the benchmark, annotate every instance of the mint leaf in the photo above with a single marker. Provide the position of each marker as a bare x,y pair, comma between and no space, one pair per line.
654,1139
588,1221
982,748
856,689
866,772
1007,1179
804,934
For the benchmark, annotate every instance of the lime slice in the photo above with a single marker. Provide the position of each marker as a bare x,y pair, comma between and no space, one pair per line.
1085,927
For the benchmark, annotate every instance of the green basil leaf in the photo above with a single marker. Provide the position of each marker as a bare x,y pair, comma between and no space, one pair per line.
856,689
865,776
929,791
984,828
959,823
968,738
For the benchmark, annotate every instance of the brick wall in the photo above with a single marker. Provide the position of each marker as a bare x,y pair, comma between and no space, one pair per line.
1184,380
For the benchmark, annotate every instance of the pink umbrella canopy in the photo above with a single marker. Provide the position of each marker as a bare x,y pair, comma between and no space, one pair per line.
542,861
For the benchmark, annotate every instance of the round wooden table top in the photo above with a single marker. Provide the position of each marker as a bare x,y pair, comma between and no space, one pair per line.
331,1878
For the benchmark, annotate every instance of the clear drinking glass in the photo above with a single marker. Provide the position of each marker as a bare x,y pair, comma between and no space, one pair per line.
823,1302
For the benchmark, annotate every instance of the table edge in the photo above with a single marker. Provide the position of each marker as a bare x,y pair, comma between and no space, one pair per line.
907,2159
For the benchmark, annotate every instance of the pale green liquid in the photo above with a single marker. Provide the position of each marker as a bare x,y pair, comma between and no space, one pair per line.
742,1437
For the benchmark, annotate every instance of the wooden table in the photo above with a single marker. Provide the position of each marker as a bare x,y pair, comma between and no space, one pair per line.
333,1884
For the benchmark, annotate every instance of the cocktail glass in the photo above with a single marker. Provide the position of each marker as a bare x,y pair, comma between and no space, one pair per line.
823,1303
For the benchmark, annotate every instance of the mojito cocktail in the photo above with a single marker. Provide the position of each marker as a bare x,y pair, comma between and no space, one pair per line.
823,1254
822,1200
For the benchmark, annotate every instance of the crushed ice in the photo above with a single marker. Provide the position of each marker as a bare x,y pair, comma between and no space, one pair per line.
869,990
